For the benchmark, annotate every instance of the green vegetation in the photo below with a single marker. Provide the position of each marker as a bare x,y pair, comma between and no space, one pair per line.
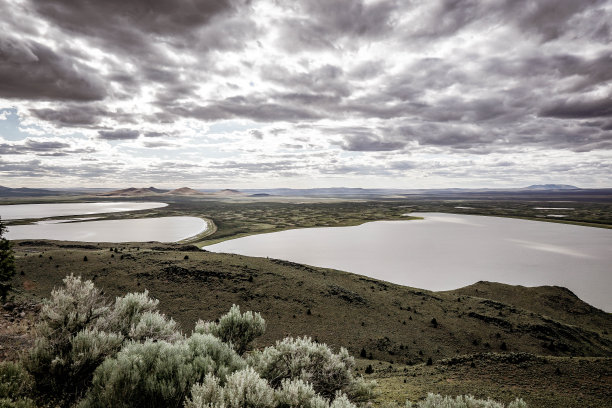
89,354
234,220
238,330
7,263
438,401
587,213
15,386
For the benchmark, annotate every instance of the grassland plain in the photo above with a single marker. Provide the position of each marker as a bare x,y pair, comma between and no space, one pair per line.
554,351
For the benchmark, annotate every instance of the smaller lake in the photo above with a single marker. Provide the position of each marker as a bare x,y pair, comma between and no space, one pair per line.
449,251
164,229
25,211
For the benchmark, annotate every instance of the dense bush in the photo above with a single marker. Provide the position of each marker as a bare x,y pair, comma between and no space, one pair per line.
78,331
15,385
438,401
68,348
159,373
246,388
235,328
308,361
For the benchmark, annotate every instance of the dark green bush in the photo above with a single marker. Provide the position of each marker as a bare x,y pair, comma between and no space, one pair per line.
235,328
158,373
306,360
15,386
78,331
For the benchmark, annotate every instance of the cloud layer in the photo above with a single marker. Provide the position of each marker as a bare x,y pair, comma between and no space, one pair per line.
308,93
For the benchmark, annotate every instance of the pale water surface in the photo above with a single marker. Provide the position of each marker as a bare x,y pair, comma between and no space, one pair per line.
164,229
448,251
25,211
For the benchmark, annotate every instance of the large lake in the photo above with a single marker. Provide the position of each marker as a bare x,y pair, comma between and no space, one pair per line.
164,229
25,211
448,251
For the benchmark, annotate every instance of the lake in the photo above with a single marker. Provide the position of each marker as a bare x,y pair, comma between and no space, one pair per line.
164,229
26,211
449,251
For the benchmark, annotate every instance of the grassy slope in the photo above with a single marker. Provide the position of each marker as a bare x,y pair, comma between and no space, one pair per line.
553,301
543,382
391,322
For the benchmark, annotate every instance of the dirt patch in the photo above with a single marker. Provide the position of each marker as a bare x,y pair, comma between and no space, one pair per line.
16,329
29,285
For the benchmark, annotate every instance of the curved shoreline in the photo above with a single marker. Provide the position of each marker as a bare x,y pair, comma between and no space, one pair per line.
71,209
162,229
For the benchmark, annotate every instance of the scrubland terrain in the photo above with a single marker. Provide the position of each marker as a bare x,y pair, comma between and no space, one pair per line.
542,344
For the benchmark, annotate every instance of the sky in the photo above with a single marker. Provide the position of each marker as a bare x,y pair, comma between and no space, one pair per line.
305,93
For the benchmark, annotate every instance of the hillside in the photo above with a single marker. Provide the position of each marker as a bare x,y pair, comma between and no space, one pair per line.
29,192
553,301
483,335
185,191
390,322
229,193
133,192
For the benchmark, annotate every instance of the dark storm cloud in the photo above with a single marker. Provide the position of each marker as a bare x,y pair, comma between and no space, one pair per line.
252,107
325,80
581,108
362,140
118,134
322,23
584,73
125,23
37,146
547,19
72,115
553,18
155,134
31,147
30,70
42,148
602,124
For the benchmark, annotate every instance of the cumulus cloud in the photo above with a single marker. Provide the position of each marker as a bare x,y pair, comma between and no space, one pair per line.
364,142
31,70
579,108
323,88
43,147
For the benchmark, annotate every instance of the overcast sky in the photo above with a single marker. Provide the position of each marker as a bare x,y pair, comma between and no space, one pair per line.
306,93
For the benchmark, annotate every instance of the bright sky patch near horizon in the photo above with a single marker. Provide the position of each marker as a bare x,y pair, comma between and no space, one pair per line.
308,93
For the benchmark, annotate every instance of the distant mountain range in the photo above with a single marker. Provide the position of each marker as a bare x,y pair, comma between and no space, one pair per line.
30,192
339,192
133,192
183,191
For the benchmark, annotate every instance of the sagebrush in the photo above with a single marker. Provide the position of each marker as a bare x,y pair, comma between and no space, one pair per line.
93,353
